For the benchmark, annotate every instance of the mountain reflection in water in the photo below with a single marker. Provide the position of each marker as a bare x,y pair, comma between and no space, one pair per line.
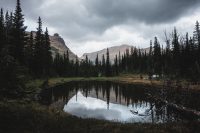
94,108
119,102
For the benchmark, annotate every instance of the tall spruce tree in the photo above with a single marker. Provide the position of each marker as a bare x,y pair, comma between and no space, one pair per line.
77,67
119,60
150,60
197,34
97,61
197,41
47,53
29,53
157,57
97,65
18,34
167,62
86,66
103,66
176,52
9,27
108,65
38,52
2,30
116,66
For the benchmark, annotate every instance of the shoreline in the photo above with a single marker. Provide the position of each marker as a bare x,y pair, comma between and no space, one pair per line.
36,118
21,112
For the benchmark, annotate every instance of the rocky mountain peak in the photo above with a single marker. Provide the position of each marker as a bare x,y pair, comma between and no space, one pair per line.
58,45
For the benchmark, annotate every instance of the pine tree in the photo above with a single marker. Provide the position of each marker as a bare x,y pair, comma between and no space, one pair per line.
2,31
167,62
108,65
47,53
67,56
29,53
150,60
86,70
116,65
197,34
7,19
77,67
9,27
103,65
186,64
176,52
157,57
151,48
38,52
97,65
197,40
97,61
119,61
19,36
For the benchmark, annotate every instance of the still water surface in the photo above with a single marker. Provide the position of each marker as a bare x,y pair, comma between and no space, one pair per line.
115,102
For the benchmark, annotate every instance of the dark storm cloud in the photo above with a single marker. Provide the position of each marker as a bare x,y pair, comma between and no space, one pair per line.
29,7
148,11
83,19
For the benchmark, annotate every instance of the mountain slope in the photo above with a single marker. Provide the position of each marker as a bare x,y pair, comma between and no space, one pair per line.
58,45
113,51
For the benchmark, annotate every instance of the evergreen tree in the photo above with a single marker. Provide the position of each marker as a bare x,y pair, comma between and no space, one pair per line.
103,64
97,61
186,64
197,40
150,60
47,53
116,66
77,67
97,65
2,31
108,65
18,34
167,59
38,52
176,52
29,53
11,84
119,61
197,34
67,56
8,27
157,57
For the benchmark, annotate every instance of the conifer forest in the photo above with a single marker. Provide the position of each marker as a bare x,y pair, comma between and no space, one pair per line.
151,88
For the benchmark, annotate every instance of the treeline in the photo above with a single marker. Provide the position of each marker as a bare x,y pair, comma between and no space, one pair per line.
180,58
21,54
65,67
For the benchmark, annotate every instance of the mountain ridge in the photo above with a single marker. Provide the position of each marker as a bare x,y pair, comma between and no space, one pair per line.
113,51
58,45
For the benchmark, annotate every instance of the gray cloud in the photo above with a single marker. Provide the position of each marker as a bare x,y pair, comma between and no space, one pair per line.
148,11
98,15
84,20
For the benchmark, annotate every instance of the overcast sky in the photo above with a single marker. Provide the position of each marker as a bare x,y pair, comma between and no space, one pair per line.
91,25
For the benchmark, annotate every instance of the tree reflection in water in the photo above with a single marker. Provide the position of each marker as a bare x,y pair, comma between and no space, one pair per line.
124,102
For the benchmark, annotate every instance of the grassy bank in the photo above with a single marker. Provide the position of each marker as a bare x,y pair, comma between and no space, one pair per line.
34,118
26,116
131,79
122,78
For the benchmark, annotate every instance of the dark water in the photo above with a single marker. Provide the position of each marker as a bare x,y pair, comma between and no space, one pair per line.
120,102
